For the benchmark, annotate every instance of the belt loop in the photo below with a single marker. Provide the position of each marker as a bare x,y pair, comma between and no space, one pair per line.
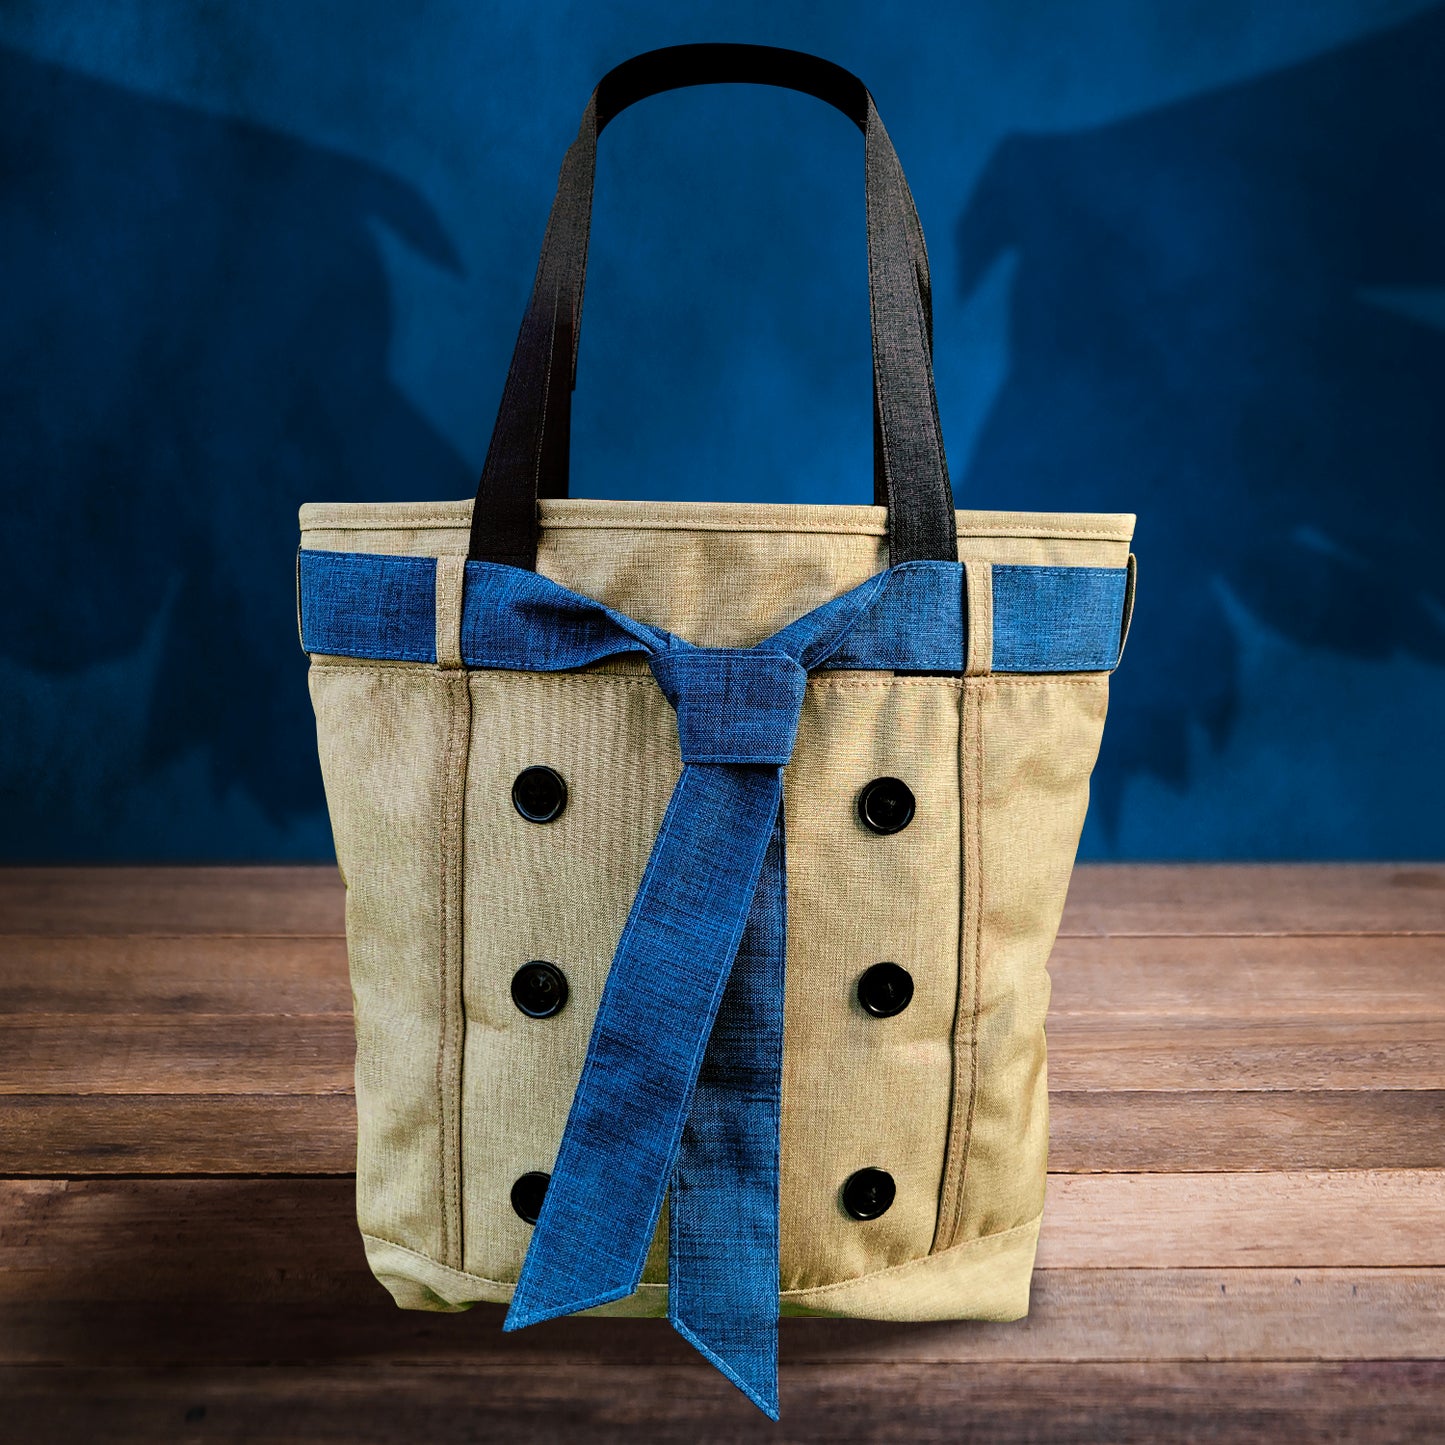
1128,610
979,593
451,579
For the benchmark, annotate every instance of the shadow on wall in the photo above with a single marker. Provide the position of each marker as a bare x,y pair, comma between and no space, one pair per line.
1227,311
1230,312
197,342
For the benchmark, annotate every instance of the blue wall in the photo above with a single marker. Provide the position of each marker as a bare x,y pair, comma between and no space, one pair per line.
1187,264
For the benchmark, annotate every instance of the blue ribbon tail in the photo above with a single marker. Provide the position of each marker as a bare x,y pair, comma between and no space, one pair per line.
623,1134
722,1275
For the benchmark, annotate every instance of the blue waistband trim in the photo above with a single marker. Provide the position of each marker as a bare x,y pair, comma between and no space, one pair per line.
369,605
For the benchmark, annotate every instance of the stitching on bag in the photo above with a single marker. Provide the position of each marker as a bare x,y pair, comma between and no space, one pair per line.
923,1261
911,1266
815,680
942,1228
450,1195
960,1133
975,837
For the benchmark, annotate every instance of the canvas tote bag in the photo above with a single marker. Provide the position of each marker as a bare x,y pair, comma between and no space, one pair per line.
703,860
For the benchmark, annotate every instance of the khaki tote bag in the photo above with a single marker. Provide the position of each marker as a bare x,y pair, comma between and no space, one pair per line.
703,860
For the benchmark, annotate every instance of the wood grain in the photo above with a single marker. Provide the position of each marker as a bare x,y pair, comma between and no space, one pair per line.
1381,1217
1363,1219
45,974
1169,1056
78,1135
1245,1231
1278,979
1090,1132
1075,1316
249,901
1105,900
1143,1132
175,1054
914,1404
83,1054
1213,900
1130,978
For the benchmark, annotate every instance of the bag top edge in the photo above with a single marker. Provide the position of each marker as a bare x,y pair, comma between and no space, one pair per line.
801,517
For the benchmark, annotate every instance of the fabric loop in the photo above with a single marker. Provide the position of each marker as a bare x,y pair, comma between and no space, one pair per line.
734,705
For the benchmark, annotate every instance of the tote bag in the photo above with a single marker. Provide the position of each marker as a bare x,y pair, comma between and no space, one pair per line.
703,860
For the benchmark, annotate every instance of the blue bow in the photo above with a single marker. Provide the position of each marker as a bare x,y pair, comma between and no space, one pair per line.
680,1091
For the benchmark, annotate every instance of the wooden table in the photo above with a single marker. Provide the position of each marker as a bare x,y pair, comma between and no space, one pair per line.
1245,1235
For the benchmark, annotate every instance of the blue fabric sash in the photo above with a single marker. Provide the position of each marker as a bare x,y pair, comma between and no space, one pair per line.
680,1090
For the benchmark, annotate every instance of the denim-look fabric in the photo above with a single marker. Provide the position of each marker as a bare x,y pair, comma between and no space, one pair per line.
724,1200
1057,619
682,1079
1045,619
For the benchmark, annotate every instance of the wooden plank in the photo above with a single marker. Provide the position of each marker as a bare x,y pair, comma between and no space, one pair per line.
1170,1056
1075,1316
1145,1132
185,975
190,1239
1280,980
1105,900
170,1054
916,1404
1222,899
240,1134
286,899
1091,1132
1369,1218
310,1054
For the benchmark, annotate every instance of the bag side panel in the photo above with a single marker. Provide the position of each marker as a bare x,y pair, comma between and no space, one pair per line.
393,751
1028,747
558,892
860,1091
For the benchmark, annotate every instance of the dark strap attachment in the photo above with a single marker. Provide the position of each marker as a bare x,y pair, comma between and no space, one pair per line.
529,452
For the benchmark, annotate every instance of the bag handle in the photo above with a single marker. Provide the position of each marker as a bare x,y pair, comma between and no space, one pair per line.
530,446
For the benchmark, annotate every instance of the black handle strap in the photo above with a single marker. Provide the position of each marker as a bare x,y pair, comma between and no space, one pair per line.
529,452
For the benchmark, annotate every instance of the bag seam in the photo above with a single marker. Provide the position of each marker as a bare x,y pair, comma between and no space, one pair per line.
893,1271
451,843
994,679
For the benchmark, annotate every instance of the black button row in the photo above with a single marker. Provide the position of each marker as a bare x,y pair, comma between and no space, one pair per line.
866,1194
886,805
539,989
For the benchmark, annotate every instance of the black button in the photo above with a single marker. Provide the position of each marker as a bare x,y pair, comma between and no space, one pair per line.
539,989
531,1189
868,1193
884,990
886,805
539,794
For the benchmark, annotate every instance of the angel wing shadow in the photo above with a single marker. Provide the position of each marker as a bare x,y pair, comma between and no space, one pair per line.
1226,315
195,341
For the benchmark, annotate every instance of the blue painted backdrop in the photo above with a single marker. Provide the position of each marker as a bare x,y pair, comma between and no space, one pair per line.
1190,262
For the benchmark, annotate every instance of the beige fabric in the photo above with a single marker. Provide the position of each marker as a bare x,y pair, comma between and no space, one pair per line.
450,579
459,1093
392,744
981,1279
978,598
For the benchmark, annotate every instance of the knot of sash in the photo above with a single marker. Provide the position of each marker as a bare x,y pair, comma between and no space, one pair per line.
733,705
